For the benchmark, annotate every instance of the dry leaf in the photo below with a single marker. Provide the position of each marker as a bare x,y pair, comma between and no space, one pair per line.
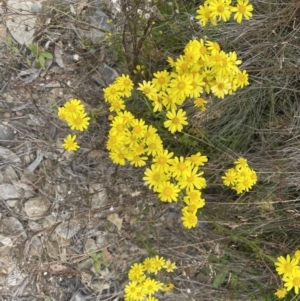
107,257
114,218
57,53
80,5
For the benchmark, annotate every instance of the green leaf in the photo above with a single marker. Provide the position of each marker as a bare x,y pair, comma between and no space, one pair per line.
219,279
41,61
97,267
34,48
47,55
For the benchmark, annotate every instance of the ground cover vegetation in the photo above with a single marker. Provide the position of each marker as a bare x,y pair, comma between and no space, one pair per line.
239,137
205,115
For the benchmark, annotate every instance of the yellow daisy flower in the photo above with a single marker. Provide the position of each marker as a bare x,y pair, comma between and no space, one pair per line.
176,121
70,143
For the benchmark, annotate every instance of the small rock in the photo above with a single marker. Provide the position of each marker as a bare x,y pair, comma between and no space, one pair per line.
8,156
67,229
49,221
99,20
90,245
11,203
34,226
8,192
108,75
99,197
36,247
6,135
12,227
85,264
101,241
10,174
36,207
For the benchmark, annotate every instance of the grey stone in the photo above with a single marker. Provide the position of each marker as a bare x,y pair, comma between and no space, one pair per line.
8,192
36,207
100,27
8,156
108,75
67,229
10,174
90,245
12,227
99,195
6,135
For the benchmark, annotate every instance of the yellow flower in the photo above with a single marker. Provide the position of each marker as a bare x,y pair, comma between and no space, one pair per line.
221,87
230,177
292,280
137,160
150,286
118,126
62,114
189,219
192,179
118,156
168,101
194,205
181,87
169,266
131,289
154,144
161,80
176,121
136,272
124,84
241,79
281,293
168,192
204,15
213,47
79,121
197,159
192,195
162,160
148,89
242,10
297,254
154,177
220,9
111,93
158,263
179,167
241,162
285,266
74,107
167,287
148,264
117,105
70,143
197,84
138,128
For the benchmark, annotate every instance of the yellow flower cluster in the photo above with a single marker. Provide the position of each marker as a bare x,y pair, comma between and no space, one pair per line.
74,114
130,139
141,286
241,178
215,10
203,68
289,270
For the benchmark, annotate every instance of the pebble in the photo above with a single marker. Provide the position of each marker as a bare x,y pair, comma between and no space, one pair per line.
36,207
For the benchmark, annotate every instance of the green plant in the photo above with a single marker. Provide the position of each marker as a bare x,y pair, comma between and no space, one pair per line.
98,262
39,54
